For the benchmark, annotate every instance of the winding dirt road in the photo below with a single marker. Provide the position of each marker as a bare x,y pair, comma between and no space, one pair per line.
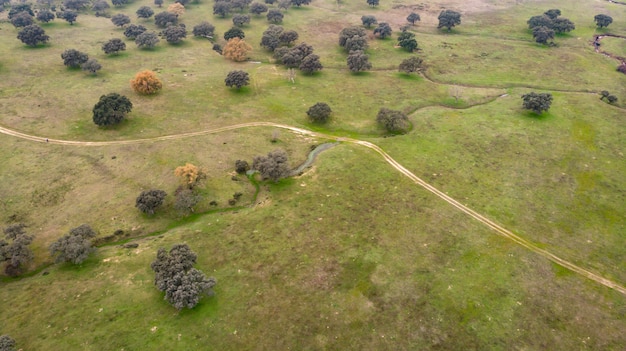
477,216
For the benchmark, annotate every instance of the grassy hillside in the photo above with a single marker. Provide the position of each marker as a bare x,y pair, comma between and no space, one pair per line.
349,255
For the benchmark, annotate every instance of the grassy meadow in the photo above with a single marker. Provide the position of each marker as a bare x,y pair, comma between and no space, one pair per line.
350,254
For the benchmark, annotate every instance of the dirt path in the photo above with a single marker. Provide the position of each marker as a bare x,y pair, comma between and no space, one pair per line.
477,216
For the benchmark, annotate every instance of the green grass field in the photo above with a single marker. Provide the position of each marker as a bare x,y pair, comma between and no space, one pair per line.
351,254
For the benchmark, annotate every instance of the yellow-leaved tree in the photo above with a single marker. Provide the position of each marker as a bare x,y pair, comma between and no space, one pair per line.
176,8
236,49
146,82
189,174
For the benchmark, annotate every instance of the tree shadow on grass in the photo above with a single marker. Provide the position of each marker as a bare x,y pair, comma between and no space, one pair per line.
537,116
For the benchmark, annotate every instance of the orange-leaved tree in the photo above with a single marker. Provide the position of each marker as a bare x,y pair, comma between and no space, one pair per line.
189,174
236,49
176,8
146,82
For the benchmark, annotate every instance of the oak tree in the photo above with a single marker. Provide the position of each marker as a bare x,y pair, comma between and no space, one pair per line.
146,82
537,102
113,46
149,200
449,19
75,246
111,109
33,35
237,79
393,121
236,49
73,58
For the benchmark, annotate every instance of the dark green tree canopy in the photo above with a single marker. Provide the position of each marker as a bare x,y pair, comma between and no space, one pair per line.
393,121
174,274
45,16
111,109
204,29
383,30
275,16
368,20
353,38
18,8
288,37
311,64
33,35
562,25
147,40
271,37
274,166
358,61
413,17
319,113
449,19
15,252
22,19
134,30
234,32
165,18
407,41
410,65
537,102
237,79
144,12
553,13
74,247
149,200
543,34
75,5
119,2
241,20
120,19
299,3
68,15
113,46
221,8
603,20
174,34
73,58
92,66
258,8
373,3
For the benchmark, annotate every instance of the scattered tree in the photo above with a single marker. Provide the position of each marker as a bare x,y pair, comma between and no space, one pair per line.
449,19
358,61
271,37
120,19
413,17
147,40
373,3
158,3
393,121
15,251
144,12
111,109
119,3
217,48
236,49
165,18
368,21
319,113
622,68
73,58
100,6
240,20
177,9
274,166
241,166
410,65
239,4
543,34
407,41
75,5
353,38
383,30
275,16
134,30
69,16
299,3
190,175
174,34
149,200
562,25
611,99
288,37
603,20
221,8
258,8
234,33
537,102
113,46
74,247
553,13
174,274
45,16
33,35
7,343
539,21
22,19
186,199
18,8
92,66
204,29
311,64
237,79
146,82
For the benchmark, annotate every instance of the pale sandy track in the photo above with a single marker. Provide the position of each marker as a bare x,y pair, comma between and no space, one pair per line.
477,216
